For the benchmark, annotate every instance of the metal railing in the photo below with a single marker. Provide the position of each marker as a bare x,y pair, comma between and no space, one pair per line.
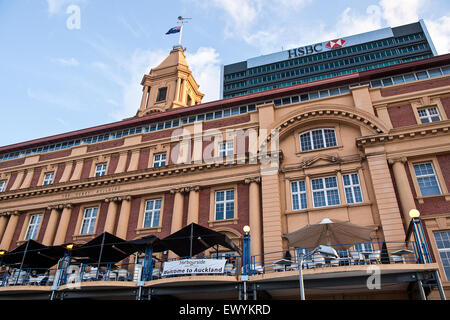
27,277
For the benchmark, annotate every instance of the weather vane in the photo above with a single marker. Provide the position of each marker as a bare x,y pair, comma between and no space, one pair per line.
179,29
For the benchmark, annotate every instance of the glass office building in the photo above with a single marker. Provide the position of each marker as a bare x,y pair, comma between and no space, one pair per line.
366,51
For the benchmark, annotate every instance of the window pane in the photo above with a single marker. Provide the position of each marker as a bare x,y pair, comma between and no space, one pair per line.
305,140
317,139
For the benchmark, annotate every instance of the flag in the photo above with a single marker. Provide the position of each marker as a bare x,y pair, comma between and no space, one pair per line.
174,30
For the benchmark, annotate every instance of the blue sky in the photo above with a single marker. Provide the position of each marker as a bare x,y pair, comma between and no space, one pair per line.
55,79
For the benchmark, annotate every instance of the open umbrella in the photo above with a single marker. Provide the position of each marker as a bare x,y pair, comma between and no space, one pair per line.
32,254
341,234
142,243
105,248
193,239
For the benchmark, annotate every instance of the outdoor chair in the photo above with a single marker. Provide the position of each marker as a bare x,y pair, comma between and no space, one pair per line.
110,275
277,267
318,260
356,257
375,257
122,274
156,273
229,267
334,262
17,278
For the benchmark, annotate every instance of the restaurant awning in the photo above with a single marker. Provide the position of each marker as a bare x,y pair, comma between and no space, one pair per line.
32,254
106,248
142,243
193,239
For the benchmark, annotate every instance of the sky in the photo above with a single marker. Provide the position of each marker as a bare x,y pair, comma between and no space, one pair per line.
67,65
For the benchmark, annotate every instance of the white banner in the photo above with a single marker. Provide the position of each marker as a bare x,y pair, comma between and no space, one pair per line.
194,266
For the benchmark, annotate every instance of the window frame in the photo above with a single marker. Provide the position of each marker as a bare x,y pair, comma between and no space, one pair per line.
224,149
34,226
325,189
435,175
428,116
46,181
152,212
439,250
225,201
90,225
158,96
3,184
102,171
299,193
311,140
352,187
159,163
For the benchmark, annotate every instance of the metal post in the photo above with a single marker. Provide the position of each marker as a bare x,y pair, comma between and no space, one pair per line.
300,258
420,287
439,285
245,290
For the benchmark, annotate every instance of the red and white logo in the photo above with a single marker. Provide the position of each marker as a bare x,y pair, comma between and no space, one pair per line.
338,43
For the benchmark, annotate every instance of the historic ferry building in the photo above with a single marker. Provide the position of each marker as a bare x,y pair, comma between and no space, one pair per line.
323,174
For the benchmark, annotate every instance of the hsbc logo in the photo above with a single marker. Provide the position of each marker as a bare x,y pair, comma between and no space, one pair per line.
334,44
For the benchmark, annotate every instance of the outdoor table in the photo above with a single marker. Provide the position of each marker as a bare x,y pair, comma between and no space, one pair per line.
402,252
366,255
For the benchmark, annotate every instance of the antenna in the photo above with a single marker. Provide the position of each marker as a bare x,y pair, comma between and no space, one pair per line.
181,21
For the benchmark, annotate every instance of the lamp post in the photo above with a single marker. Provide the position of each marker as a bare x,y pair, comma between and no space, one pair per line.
2,253
324,250
419,235
62,269
245,258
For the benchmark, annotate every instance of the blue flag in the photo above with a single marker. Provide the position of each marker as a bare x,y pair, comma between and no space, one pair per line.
174,30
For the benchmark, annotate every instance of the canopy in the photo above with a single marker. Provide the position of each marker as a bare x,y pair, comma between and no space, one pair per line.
32,254
341,234
105,248
151,240
193,239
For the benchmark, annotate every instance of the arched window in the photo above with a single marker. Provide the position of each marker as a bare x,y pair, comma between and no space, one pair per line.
318,139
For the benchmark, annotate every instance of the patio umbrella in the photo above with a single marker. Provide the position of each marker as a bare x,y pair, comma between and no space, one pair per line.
341,234
151,240
193,239
32,254
104,248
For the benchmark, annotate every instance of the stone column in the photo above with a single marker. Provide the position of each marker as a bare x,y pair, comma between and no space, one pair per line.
50,231
67,171
144,98
124,216
27,181
194,197
134,161
177,215
63,225
111,215
77,171
340,183
9,232
3,224
404,190
254,207
386,201
121,165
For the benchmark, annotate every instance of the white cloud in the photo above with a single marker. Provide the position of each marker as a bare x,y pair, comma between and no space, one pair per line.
205,66
440,33
71,62
400,12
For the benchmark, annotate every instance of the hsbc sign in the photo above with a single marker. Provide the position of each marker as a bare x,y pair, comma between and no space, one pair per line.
316,48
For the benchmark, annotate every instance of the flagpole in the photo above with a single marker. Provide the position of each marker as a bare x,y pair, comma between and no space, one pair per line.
181,35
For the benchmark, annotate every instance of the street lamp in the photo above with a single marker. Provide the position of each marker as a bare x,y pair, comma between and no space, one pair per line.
324,250
414,213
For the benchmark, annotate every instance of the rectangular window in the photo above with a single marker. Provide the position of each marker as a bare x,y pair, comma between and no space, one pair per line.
298,191
48,178
226,149
443,244
325,192
426,178
2,185
162,92
430,114
152,213
33,226
352,188
159,160
89,219
100,170
318,139
224,204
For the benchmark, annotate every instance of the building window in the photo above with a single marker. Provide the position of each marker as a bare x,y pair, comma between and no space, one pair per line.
325,192
162,92
33,226
89,219
226,149
48,178
443,245
352,188
298,190
159,160
318,139
430,114
2,185
152,213
426,178
100,170
224,204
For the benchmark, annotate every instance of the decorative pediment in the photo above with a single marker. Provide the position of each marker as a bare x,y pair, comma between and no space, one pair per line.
320,160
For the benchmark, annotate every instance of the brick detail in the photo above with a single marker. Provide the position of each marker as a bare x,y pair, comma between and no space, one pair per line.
59,172
143,159
226,122
105,145
430,84
12,163
204,204
444,164
86,169
113,161
402,116
157,135
55,155
72,224
11,181
16,234
446,104
36,176
43,227
386,201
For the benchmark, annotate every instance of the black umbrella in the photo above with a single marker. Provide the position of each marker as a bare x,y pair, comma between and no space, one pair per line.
32,254
142,243
106,247
194,239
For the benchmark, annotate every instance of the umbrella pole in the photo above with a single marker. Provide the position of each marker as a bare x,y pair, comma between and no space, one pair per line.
192,235
23,260
100,255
